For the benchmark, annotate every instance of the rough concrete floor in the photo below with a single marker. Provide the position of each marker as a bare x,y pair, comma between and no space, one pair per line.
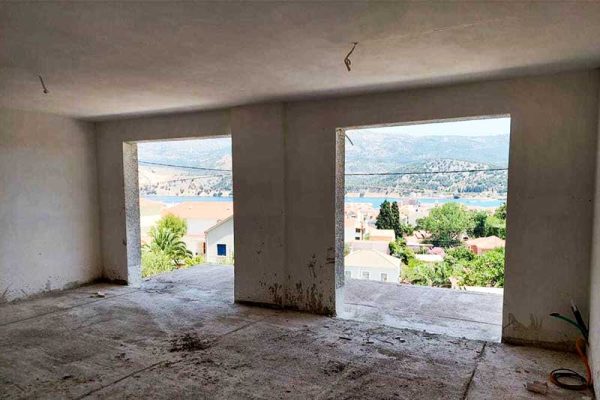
180,336
472,315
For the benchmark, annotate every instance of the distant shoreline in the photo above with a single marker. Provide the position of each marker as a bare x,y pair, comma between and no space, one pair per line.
479,202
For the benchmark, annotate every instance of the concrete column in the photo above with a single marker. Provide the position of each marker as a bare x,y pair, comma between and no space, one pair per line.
259,215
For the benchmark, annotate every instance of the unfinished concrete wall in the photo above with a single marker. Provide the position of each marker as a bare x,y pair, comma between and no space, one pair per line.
111,135
49,228
551,188
259,189
286,161
594,282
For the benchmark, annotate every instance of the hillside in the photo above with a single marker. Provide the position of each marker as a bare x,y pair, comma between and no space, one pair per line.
372,152
464,182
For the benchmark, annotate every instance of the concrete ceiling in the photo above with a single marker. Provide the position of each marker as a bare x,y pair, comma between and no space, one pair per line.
107,59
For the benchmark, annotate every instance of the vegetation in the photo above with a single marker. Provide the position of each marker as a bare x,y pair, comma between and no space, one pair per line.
389,218
167,251
173,223
460,267
446,224
170,244
155,262
398,248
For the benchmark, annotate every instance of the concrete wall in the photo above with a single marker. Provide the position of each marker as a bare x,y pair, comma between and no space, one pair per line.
259,206
551,187
111,136
288,181
594,282
49,228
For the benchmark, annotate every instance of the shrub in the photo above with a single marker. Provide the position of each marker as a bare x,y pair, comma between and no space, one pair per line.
485,270
399,249
424,274
191,261
155,262
460,263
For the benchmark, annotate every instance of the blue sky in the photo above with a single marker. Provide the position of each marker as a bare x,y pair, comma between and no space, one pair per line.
473,127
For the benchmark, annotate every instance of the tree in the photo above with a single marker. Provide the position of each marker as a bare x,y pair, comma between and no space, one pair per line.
398,248
389,218
169,243
500,212
385,219
479,224
173,223
446,223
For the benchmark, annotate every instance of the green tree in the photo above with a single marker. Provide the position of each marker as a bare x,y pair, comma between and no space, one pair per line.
169,243
398,248
479,224
173,223
500,212
389,218
485,270
385,218
446,223
495,227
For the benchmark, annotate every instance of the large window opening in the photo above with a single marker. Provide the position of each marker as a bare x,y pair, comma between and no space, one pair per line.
425,225
186,205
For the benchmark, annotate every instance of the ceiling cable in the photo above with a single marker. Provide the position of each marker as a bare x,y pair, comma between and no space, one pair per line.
43,84
347,60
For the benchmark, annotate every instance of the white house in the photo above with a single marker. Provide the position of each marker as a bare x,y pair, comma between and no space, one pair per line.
372,265
200,216
219,242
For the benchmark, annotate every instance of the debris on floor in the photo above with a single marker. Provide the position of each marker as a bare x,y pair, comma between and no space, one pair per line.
537,387
99,294
189,342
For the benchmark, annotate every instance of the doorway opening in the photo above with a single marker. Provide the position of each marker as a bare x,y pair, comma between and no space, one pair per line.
425,225
186,207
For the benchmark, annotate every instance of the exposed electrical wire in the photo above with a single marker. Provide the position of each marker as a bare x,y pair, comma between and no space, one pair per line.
43,84
347,60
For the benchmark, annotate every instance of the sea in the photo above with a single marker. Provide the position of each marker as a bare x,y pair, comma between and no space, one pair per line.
374,201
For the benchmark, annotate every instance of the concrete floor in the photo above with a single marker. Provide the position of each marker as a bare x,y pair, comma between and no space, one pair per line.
180,336
472,315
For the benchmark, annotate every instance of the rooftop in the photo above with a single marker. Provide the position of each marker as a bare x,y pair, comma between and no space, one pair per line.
371,258
201,210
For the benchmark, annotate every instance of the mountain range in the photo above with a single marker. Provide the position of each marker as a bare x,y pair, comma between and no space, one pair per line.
423,157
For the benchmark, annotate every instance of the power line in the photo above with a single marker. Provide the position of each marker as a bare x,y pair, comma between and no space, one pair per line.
424,173
184,166
351,174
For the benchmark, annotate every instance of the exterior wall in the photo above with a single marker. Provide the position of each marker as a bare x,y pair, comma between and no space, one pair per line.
222,234
49,229
551,187
198,226
111,135
355,272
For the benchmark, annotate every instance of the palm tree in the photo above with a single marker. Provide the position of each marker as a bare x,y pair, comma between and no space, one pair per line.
165,240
